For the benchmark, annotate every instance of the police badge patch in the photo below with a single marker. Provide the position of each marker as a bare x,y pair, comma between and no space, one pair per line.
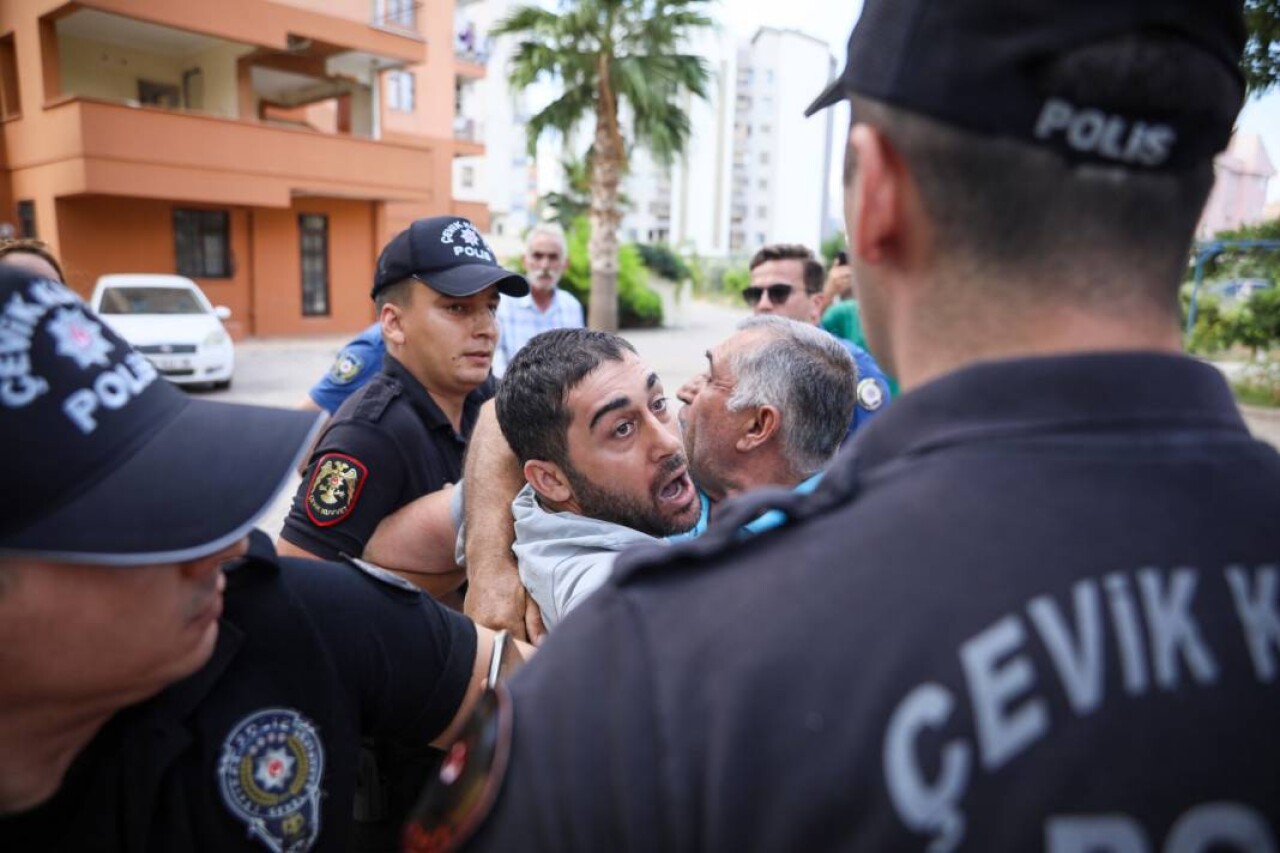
269,775
346,367
335,486
870,397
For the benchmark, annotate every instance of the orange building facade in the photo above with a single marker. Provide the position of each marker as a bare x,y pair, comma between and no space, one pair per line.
265,148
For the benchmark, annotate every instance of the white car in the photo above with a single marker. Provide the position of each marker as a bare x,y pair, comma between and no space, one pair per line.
170,320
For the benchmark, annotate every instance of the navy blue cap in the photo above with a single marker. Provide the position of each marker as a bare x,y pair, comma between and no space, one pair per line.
447,254
109,462
973,64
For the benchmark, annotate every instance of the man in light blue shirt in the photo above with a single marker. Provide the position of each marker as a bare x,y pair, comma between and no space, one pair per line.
546,306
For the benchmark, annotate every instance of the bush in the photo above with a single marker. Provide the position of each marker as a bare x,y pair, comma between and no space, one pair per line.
659,258
1259,384
638,306
1254,324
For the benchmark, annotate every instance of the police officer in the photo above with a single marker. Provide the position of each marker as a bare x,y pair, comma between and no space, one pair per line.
166,681
1037,605
403,434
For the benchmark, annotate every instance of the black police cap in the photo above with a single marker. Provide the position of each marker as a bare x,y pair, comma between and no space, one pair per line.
447,254
106,461
972,64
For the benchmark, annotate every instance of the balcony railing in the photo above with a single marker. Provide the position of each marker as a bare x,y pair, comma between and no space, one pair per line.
468,129
396,14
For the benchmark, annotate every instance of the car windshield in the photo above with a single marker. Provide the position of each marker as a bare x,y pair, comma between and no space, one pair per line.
150,300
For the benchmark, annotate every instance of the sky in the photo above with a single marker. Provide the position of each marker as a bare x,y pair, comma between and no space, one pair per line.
831,21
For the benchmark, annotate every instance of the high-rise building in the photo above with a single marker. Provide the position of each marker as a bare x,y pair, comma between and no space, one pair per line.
781,160
265,148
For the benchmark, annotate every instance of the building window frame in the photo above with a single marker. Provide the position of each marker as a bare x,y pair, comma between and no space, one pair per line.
401,90
313,252
202,242
26,210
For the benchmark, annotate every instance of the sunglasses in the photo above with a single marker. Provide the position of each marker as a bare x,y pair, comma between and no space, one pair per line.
778,294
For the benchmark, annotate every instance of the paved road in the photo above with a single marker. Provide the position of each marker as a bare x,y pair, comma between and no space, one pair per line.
278,372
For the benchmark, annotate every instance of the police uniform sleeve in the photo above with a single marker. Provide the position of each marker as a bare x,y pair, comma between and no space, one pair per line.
585,770
353,366
354,480
407,658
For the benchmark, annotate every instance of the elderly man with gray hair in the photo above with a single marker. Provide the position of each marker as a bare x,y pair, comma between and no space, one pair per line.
546,306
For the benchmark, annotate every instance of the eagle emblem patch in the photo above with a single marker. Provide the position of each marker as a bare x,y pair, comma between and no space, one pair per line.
269,777
335,485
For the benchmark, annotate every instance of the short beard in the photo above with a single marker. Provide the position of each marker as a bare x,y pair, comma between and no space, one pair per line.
624,509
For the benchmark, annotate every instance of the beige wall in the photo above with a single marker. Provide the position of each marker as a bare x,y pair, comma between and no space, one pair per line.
111,72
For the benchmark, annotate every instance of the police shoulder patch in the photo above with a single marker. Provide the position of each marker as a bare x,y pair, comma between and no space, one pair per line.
346,367
269,776
336,483
870,397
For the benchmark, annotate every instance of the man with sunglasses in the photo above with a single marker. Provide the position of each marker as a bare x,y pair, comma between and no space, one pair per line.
1038,607
546,306
787,280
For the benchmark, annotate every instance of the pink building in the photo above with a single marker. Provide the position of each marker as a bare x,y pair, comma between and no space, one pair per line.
1240,192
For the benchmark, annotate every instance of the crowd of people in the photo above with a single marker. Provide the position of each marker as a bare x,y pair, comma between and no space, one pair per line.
1024,594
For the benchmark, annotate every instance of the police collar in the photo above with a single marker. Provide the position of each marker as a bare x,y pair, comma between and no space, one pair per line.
1093,393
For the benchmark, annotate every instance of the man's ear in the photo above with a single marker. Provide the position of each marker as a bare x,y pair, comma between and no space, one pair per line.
765,423
878,195
389,317
548,480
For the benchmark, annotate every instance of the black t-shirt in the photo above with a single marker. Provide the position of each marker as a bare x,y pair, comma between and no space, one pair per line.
263,741
1035,606
386,446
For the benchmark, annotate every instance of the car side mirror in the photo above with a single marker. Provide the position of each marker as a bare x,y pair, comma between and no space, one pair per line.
222,312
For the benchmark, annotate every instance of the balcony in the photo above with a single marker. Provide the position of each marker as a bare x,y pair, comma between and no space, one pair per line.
471,48
117,149
468,135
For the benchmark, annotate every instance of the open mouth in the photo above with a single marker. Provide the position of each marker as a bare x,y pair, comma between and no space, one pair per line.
677,490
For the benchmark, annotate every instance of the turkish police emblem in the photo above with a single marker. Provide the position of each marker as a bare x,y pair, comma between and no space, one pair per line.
79,338
269,775
335,485
870,397
346,366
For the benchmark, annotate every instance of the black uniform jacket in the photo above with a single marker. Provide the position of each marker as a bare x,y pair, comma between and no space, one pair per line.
258,749
1034,606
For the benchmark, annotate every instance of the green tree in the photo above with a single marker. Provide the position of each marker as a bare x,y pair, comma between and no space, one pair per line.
610,56
1261,61
831,245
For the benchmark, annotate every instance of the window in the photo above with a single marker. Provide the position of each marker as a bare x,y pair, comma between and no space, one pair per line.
402,13
202,243
764,158
155,94
27,219
10,106
313,238
400,91
762,211
763,183
468,177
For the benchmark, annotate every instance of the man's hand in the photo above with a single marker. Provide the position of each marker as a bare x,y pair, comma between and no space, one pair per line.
497,600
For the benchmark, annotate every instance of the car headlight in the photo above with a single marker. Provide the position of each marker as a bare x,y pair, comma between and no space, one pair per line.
216,339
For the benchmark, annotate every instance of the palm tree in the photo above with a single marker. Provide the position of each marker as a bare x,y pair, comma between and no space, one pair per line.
609,56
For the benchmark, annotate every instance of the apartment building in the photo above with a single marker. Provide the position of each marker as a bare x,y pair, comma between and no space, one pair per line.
755,170
1242,174
265,148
